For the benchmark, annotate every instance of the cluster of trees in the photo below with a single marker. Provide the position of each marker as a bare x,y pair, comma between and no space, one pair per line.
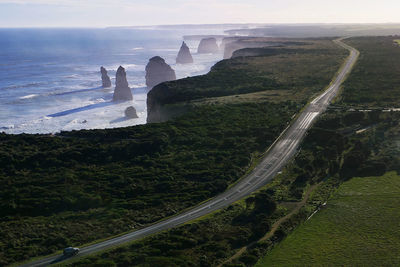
331,153
203,243
75,185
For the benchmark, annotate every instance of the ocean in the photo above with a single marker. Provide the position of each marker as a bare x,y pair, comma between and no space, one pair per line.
50,78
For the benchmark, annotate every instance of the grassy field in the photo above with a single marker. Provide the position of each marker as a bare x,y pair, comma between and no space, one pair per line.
358,227
397,41
375,80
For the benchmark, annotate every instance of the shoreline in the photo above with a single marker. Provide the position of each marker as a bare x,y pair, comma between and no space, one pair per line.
58,120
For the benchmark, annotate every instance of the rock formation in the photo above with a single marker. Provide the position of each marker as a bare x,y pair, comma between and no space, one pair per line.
157,71
130,112
106,81
184,56
207,46
122,91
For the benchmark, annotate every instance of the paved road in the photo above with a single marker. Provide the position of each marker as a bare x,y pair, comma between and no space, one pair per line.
275,159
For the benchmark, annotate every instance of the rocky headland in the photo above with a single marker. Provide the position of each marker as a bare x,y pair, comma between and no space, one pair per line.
157,71
232,44
122,91
184,55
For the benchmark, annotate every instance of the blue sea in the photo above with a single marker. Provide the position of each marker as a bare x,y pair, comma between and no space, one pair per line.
50,78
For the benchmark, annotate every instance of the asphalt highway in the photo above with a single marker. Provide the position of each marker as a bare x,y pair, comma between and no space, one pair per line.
284,148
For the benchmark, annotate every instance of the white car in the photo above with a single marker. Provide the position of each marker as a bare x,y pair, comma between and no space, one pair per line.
70,251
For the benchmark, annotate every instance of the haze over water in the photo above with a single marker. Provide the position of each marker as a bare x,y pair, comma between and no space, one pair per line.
50,80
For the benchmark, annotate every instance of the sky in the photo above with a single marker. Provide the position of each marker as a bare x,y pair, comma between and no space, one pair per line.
105,13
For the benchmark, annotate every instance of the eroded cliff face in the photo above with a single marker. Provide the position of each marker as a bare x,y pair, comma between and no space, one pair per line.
157,71
233,44
184,55
156,98
105,79
159,107
122,91
208,46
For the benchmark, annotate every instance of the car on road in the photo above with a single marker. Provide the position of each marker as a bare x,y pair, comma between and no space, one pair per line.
70,251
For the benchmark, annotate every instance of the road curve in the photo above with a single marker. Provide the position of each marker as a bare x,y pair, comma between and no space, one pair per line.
274,160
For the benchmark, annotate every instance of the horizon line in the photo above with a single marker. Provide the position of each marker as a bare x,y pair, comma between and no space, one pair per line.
202,24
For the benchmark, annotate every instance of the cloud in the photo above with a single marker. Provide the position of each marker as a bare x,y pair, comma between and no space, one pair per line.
151,12
65,2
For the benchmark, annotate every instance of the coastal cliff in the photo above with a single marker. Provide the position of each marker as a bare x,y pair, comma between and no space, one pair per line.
233,44
161,103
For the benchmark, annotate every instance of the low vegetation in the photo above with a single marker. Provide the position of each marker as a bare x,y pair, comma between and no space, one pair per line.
375,82
358,227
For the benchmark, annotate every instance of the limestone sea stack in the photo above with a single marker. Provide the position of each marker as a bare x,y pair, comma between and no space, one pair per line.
184,55
130,112
106,81
122,91
157,71
208,46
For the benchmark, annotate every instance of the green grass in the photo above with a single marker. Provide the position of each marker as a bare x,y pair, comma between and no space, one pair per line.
358,227
397,41
375,80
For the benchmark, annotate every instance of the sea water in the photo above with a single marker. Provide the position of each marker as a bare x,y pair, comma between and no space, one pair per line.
50,78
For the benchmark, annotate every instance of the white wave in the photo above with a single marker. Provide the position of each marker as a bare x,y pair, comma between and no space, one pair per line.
73,76
139,85
131,66
27,85
29,96
167,50
137,48
125,54
97,100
